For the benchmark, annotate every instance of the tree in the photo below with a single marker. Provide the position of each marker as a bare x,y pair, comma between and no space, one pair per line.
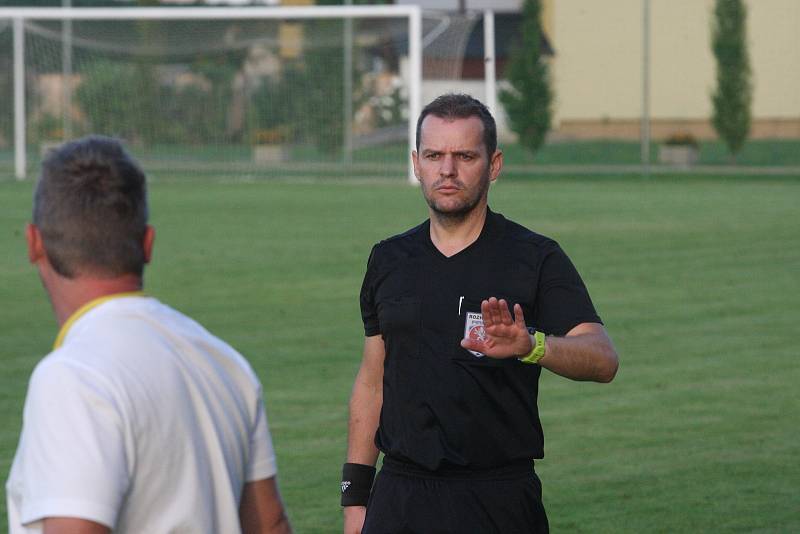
733,95
528,102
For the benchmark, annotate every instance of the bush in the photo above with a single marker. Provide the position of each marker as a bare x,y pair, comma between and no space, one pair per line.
681,139
118,99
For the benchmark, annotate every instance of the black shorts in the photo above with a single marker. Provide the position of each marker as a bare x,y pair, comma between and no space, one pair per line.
409,501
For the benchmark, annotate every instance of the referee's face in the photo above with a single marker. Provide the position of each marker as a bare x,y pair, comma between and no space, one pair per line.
452,165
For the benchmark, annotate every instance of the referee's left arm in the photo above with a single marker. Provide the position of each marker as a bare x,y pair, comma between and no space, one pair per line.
585,353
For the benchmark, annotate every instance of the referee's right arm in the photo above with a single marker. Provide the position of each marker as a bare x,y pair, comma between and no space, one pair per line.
365,408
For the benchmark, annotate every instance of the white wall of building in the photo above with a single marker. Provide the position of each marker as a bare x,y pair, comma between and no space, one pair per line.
598,64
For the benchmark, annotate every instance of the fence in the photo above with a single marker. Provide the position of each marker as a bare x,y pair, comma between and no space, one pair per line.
335,91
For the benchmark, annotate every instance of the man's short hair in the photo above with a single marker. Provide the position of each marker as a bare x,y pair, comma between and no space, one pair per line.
90,206
459,106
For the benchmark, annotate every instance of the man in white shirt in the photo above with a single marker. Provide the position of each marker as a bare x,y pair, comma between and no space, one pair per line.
139,420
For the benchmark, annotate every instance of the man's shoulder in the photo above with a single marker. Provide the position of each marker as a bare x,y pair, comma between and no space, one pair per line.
142,329
122,322
142,316
522,234
412,234
66,369
399,245
164,322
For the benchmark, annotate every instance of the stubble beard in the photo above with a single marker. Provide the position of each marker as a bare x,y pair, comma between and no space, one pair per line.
459,213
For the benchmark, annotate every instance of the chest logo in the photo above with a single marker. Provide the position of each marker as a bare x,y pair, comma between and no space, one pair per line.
473,329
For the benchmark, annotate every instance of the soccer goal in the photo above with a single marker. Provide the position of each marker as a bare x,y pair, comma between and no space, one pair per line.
223,92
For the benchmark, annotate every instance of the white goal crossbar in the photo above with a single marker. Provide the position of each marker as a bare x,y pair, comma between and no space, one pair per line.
18,15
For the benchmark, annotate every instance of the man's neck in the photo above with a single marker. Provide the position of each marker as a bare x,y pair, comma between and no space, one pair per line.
451,235
68,295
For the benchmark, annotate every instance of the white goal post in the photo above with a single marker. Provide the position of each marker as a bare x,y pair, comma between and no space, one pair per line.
18,16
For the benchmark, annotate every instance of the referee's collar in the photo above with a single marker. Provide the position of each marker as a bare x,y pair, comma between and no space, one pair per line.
80,312
493,227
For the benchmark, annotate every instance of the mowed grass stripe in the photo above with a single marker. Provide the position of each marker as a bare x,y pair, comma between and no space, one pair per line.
696,279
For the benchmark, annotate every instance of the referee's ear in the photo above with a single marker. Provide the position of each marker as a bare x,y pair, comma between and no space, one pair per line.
35,244
147,242
495,164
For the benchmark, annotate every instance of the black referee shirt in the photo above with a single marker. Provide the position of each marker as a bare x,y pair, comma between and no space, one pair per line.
443,406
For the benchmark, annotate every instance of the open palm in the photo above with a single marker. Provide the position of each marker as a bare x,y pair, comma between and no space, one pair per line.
505,336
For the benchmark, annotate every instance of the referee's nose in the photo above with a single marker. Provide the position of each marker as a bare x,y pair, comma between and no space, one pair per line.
448,166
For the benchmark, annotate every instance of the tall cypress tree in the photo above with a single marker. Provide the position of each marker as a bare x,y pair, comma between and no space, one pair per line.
528,102
733,94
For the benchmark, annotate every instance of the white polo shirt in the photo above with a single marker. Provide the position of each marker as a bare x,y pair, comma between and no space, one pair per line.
141,420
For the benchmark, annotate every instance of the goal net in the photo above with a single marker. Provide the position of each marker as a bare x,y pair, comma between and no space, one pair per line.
321,93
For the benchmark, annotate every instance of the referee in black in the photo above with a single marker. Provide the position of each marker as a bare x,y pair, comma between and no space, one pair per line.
461,313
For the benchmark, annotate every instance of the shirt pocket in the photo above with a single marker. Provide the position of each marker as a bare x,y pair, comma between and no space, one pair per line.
401,326
470,324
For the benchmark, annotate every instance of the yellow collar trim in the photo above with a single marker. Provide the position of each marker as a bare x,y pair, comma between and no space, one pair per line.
80,312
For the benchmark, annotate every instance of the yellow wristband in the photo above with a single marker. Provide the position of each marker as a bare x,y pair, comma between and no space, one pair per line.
537,351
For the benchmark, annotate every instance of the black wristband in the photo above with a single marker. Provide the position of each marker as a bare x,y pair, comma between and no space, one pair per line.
356,484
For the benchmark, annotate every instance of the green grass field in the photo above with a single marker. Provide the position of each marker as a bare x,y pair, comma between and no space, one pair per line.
697,279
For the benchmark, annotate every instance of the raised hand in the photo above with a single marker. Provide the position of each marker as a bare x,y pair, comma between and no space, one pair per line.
506,337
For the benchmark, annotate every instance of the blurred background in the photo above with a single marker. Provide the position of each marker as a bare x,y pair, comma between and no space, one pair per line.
628,83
